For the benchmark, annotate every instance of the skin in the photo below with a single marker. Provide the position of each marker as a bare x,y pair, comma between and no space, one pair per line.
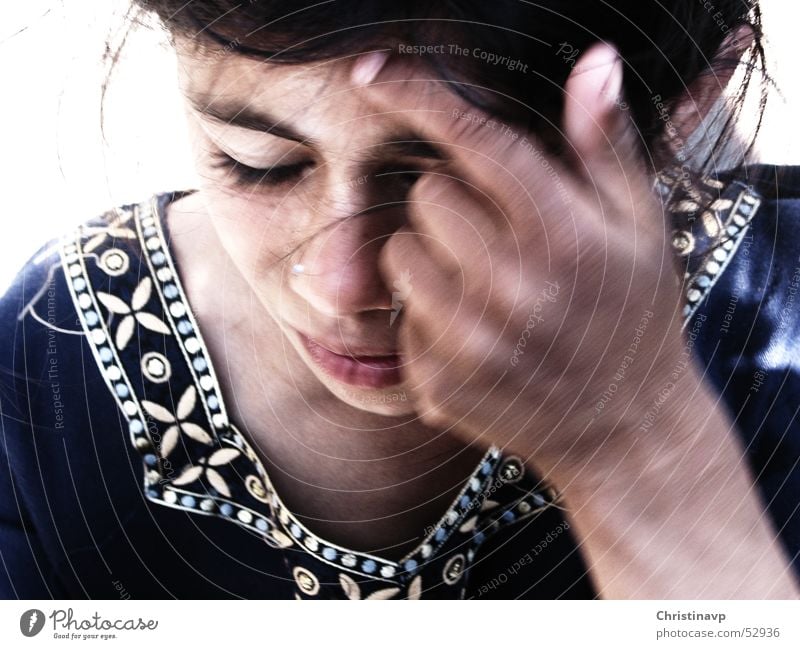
359,467
485,237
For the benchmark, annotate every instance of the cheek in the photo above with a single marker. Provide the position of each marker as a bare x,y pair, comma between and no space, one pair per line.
255,231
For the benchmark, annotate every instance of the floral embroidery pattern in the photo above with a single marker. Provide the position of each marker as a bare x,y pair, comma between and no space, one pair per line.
114,230
185,407
133,313
353,591
204,469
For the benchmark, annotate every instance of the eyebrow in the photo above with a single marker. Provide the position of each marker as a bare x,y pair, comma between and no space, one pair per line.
403,143
248,118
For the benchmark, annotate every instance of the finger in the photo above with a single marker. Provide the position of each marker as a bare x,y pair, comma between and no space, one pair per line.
463,221
598,125
493,155
430,287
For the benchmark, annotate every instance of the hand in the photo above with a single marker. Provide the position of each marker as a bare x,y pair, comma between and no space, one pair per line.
530,275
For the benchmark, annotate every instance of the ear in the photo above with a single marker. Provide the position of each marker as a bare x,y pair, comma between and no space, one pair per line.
704,92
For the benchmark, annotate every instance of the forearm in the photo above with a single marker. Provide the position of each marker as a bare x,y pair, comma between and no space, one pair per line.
679,516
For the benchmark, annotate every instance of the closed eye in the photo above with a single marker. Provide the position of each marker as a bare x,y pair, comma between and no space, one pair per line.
271,176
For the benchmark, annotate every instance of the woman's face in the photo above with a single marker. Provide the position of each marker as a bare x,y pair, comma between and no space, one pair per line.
307,235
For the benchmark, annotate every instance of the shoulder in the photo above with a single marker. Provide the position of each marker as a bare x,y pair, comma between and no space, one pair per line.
48,369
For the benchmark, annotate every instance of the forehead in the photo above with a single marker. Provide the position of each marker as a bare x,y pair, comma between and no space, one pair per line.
316,99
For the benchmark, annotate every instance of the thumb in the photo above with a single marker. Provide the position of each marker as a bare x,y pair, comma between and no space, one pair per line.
598,125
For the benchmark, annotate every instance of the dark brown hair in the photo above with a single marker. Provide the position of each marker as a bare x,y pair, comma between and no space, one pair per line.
665,46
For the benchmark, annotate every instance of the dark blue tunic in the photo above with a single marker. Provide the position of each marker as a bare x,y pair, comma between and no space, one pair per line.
121,473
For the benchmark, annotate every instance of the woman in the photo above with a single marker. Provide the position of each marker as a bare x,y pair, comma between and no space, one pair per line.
419,332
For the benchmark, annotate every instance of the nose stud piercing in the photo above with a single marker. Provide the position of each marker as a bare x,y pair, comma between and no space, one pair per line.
298,269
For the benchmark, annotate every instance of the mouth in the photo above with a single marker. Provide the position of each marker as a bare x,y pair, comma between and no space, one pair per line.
366,371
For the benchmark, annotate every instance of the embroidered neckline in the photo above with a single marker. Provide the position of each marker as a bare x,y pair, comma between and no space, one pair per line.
237,486
710,219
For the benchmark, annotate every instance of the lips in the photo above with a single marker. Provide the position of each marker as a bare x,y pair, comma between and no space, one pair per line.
367,370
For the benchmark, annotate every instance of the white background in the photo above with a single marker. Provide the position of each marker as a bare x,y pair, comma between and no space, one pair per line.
56,170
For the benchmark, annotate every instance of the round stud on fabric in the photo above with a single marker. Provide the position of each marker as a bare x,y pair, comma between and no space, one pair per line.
192,345
512,470
306,581
453,569
114,262
720,254
156,367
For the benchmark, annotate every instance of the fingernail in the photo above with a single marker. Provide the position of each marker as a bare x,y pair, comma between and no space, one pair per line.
367,66
601,67
612,88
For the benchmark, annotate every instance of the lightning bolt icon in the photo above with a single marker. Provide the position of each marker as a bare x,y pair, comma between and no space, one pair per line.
32,620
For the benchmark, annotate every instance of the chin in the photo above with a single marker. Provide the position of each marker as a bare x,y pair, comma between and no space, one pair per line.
390,402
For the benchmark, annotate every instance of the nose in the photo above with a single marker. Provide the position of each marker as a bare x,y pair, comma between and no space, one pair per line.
340,264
